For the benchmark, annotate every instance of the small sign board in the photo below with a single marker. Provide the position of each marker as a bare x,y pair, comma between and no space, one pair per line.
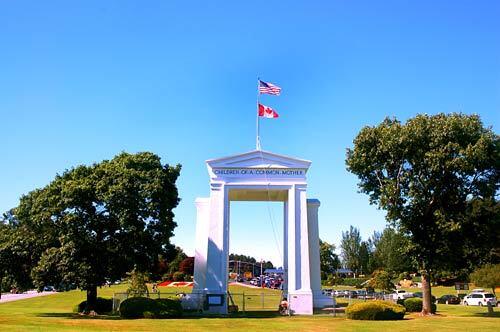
215,299
461,286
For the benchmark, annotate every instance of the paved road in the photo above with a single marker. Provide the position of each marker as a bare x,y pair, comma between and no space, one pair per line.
7,297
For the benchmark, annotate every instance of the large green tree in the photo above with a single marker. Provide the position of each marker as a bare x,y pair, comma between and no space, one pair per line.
426,173
97,222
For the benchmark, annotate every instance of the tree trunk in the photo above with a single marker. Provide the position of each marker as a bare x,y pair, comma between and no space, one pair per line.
426,294
1,285
91,299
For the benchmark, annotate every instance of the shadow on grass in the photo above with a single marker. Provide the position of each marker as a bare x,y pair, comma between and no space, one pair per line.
248,314
73,315
495,314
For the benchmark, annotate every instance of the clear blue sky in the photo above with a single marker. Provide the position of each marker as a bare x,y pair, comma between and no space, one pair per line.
81,81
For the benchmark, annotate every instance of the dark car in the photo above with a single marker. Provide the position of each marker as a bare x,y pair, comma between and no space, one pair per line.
448,299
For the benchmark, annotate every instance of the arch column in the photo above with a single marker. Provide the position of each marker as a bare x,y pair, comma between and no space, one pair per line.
299,276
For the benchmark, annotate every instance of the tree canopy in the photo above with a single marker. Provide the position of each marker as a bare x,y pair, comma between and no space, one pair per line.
94,223
428,174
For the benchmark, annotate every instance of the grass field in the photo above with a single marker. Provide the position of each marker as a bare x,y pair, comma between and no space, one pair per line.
54,313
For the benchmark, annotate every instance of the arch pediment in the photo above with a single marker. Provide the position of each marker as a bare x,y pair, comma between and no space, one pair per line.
258,159
257,164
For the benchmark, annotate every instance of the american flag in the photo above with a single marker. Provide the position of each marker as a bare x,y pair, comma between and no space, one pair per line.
269,88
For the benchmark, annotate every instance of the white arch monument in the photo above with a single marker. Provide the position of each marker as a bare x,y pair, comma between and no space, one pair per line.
259,176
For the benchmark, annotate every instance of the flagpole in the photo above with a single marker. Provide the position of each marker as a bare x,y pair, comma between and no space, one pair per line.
257,139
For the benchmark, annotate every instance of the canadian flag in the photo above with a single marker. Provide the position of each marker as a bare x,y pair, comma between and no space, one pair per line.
267,112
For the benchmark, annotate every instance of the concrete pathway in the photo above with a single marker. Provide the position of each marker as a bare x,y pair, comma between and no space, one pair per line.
7,297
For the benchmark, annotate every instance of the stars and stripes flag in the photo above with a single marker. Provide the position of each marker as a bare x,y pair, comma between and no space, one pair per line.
269,88
267,112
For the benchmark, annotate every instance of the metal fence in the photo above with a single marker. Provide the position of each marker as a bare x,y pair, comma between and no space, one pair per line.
254,301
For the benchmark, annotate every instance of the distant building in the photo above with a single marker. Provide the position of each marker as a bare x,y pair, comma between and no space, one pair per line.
344,272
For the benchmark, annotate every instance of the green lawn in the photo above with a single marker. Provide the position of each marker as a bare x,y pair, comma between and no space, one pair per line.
54,313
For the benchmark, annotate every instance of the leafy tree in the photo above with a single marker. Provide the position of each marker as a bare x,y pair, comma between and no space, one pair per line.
381,280
187,266
487,276
426,174
329,260
350,247
97,222
390,252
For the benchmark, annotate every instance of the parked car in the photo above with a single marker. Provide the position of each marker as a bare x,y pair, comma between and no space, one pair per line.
448,299
351,294
361,294
400,294
480,299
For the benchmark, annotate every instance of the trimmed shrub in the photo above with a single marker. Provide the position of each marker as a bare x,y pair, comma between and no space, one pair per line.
414,304
169,308
102,306
375,310
143,307
135,307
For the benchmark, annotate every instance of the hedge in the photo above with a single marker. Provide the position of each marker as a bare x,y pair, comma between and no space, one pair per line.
414,304
102,306
143,307
375,310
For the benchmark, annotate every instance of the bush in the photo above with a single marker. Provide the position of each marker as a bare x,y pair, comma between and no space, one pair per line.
375,310
178,276
414,304
143,307
135,307
102,306
169,308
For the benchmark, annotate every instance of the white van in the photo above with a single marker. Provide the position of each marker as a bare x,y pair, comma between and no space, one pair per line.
480,299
